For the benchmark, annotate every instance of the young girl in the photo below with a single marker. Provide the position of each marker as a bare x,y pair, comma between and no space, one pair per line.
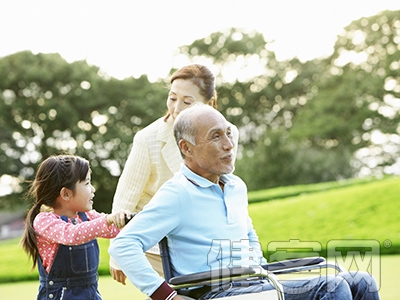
62,240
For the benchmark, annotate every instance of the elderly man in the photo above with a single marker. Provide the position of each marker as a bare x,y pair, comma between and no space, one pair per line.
203,211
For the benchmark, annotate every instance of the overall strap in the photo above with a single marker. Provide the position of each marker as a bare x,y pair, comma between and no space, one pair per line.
82,215
64,218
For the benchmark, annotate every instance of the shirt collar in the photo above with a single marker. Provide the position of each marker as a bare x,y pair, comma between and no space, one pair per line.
199,180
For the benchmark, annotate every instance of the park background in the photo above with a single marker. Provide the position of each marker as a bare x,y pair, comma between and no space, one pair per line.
303,120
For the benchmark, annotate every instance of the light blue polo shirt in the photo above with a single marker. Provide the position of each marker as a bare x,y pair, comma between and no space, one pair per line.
207,228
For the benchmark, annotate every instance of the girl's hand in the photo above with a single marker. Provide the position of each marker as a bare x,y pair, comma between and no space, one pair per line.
118,218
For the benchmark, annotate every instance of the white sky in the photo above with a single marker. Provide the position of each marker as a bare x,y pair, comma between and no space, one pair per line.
130,38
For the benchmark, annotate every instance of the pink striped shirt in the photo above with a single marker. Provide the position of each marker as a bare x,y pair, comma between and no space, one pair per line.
52,231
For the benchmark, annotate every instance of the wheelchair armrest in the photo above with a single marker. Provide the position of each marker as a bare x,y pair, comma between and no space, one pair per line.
211,275
276,268
225,275
293,263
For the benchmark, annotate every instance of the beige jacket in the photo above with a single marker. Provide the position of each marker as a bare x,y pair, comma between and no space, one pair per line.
153,159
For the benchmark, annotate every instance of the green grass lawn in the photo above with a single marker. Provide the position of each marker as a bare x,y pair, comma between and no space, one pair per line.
390,273
17,267
367,210
301,189
108,288
363,211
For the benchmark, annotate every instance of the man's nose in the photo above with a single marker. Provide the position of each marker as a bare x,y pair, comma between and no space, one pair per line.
229,143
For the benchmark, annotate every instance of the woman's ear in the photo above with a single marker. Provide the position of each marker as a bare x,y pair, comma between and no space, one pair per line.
65,193
212,102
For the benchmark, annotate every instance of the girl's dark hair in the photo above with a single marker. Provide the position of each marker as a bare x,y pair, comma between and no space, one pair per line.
52,175
202,77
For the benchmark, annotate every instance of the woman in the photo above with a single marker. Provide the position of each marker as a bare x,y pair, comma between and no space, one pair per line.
155,156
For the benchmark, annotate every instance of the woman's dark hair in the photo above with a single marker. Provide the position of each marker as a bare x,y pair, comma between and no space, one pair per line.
202,77
53,174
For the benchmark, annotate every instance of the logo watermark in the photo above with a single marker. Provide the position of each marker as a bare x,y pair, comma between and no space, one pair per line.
292,249
228,258
358,260
287,254
357,256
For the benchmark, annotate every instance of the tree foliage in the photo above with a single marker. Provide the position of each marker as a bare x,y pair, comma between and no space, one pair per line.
315,121
320,120
356,111
49,106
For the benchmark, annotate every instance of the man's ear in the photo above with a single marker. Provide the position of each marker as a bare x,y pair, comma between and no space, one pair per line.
185,147
65,193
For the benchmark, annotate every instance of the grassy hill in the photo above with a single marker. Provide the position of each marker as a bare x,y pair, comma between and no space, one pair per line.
368,211
318,214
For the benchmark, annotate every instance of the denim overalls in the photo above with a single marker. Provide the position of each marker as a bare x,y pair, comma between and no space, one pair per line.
73,274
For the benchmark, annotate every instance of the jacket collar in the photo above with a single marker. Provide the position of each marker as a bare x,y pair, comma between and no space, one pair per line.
169,151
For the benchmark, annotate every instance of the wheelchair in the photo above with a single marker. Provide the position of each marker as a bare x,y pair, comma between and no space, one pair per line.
185,283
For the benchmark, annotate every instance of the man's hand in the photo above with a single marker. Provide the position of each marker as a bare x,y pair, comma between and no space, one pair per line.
118,275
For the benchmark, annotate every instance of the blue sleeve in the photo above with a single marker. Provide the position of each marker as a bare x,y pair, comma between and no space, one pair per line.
156,220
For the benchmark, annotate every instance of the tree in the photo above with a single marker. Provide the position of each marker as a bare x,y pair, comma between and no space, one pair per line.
49,106
321,120
356,111
263,105
316,121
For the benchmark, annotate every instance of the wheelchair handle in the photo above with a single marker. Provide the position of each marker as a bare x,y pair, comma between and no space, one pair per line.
127,219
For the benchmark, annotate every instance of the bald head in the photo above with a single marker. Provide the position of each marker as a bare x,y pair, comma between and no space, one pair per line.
205,140
188,121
